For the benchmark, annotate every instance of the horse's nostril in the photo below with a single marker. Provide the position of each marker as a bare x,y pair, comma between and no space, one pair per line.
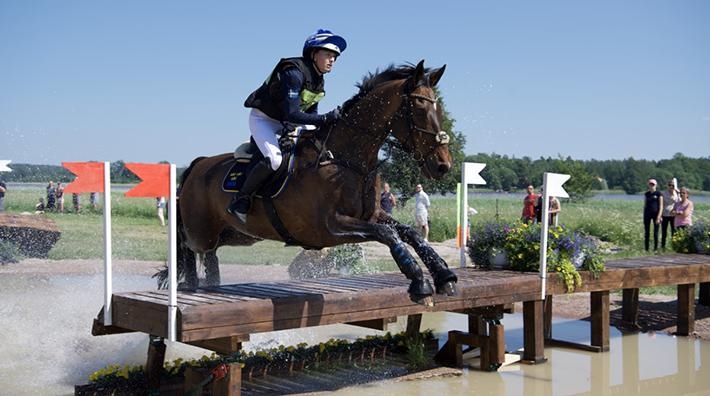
444,168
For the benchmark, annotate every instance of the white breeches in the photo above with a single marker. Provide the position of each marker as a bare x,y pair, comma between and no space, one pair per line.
264,130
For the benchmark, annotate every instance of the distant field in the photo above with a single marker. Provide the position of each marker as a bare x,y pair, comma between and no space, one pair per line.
137,234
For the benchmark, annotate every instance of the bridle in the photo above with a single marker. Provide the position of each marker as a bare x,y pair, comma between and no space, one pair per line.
442,138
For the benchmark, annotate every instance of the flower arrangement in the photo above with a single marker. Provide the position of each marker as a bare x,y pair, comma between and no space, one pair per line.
693,239
567,251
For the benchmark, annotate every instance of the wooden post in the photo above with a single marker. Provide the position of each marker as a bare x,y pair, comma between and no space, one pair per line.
414,323
548,317
533,340
630,308
231,385
686,309
155,362
599,302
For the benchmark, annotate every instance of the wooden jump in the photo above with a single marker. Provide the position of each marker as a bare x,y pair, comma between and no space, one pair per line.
223,317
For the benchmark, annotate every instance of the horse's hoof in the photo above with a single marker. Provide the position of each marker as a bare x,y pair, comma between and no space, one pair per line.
448,288
427,301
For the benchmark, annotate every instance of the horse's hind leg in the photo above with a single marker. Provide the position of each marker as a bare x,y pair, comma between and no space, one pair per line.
211,262
188,262
444,278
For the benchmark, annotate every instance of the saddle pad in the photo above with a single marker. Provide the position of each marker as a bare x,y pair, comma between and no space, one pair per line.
237,174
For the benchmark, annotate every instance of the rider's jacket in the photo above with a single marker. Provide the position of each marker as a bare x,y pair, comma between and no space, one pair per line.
291,93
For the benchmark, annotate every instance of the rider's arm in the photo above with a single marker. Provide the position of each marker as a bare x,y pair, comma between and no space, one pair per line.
291,84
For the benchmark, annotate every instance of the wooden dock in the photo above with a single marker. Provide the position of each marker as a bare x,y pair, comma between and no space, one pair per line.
221,318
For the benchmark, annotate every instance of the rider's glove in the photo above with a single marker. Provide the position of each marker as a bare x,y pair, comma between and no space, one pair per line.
332,116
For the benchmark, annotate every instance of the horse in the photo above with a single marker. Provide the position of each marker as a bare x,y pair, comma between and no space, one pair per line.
331,196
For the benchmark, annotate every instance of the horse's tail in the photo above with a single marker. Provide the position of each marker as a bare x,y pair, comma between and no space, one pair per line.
183,251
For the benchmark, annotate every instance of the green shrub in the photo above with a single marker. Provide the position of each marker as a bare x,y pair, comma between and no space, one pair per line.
693,239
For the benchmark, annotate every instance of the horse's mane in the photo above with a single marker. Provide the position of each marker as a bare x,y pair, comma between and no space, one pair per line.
372,80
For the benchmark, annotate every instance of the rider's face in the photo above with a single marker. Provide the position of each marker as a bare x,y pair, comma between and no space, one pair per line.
324,60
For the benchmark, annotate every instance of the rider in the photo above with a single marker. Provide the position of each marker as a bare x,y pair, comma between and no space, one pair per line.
290,94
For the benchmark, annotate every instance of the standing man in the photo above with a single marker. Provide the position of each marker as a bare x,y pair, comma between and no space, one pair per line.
387,199
421,211
529,202
3,189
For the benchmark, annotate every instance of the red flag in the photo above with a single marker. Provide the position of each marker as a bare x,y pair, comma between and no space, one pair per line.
89,177
155,180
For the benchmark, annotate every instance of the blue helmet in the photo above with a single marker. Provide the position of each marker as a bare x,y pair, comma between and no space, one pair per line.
323,38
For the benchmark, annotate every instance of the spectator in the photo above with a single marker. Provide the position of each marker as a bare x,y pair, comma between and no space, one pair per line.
683,210
59,193
75,202
3,190
538,207
40,207
554,209
51,197
670,197
529,203
421,211
160,205
94,200
652,211
387,199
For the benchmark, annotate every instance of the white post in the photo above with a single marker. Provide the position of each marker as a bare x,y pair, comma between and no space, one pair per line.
464,217
552,186
470,174
108,274
544,227
172,258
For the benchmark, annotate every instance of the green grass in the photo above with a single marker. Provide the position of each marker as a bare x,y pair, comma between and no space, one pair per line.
137,234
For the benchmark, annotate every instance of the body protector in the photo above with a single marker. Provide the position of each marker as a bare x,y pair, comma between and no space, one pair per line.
270,97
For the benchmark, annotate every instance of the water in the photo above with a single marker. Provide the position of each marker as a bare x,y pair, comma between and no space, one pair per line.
47,348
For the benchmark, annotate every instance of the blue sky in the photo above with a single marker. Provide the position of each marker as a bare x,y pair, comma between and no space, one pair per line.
149,81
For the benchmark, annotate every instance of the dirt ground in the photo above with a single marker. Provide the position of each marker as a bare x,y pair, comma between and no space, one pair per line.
657,312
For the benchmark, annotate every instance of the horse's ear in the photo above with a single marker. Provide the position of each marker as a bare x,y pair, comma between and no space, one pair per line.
419,72
435,75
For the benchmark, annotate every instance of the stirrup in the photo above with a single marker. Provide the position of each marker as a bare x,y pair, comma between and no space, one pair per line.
240,207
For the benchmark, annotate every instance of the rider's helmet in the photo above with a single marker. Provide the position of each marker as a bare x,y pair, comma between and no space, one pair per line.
323,38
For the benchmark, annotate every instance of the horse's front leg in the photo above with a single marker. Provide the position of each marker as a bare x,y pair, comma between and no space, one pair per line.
420,290
444,279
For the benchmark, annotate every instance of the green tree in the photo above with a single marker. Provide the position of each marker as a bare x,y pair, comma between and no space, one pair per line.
579,186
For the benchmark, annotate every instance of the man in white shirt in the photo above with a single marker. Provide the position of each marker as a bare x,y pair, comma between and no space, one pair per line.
421,212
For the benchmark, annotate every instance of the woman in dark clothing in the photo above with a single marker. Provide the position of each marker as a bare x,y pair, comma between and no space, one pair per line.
652,211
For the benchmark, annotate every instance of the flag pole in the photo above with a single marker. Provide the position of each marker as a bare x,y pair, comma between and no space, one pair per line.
108,265
172,260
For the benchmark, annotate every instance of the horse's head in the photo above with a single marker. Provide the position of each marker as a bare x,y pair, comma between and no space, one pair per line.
420,113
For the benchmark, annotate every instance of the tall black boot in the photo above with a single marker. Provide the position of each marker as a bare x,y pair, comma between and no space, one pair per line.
241,203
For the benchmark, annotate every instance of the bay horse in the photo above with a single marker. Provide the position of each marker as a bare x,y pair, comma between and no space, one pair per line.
331,200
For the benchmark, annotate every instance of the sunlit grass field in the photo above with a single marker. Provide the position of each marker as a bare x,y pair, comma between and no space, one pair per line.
138,235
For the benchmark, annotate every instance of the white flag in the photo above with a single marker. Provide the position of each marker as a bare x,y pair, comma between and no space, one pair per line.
471,172
554,185
4,167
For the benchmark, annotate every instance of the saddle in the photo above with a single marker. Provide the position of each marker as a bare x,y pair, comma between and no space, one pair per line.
248,154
